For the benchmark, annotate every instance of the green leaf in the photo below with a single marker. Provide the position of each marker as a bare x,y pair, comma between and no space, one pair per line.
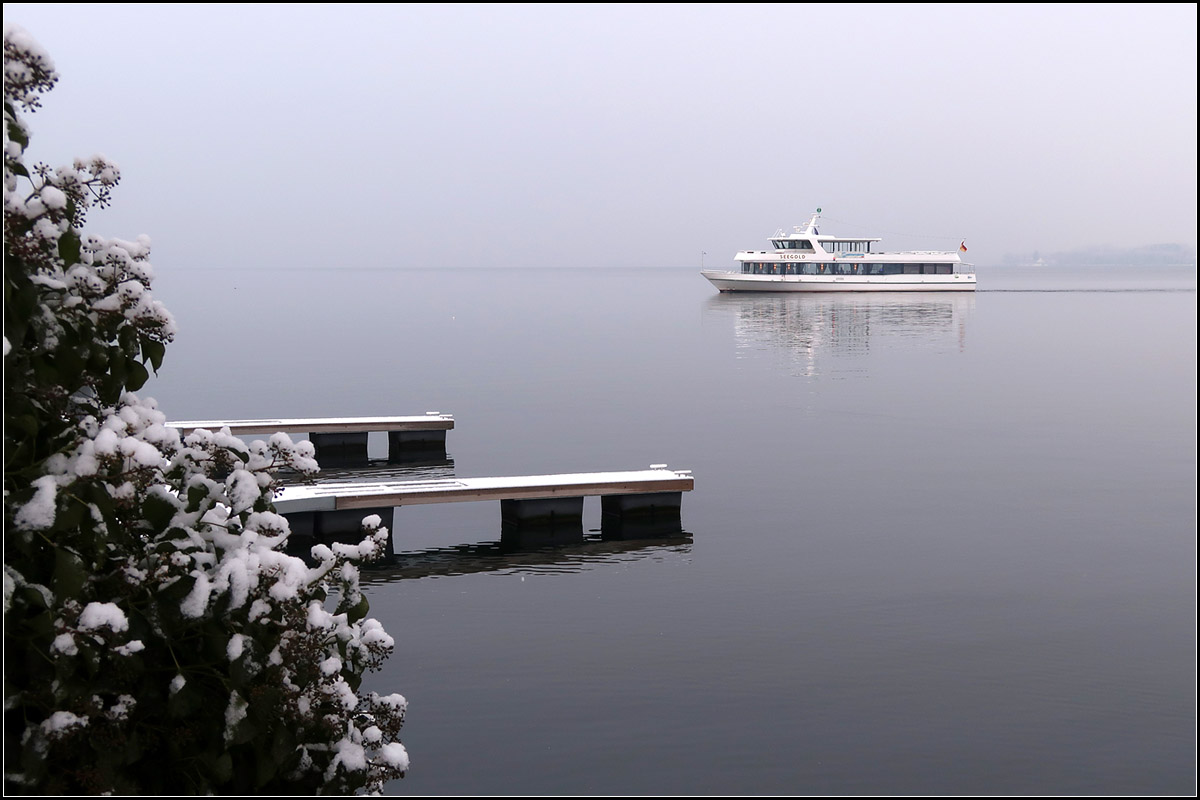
137,377
359,611
35,597
278,747
152,352
17,133
158,511
26,423
70,574
195,496
246,731
89,655
222,768
98,363
185,702
70,517
69,362
69,247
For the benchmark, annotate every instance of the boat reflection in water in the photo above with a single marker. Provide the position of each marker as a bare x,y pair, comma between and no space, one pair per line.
522,557
808,326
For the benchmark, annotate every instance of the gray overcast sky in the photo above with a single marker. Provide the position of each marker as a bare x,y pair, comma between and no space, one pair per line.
621,135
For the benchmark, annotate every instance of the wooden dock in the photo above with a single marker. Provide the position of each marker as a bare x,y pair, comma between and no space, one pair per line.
374,494
341,441
548,508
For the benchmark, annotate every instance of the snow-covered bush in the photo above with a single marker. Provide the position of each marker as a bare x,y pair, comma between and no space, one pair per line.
157,639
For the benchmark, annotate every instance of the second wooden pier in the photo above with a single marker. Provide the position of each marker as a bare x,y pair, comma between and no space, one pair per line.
341,441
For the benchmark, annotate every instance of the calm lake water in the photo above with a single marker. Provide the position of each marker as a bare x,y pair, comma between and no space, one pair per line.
937,544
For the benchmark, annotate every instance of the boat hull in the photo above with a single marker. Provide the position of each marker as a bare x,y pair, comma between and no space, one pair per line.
741,282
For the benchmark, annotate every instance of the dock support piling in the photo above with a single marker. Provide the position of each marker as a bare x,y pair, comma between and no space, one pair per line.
635,516
340,449
406,446
327,527
555,520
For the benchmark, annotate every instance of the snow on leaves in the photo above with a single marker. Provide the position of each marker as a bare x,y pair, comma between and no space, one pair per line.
149,603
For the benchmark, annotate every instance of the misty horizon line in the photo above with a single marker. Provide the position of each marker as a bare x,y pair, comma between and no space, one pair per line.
1015,261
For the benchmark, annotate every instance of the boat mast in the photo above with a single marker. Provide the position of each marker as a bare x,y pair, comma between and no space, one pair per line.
811,228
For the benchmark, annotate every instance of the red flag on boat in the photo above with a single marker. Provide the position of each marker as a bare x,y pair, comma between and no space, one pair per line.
962,248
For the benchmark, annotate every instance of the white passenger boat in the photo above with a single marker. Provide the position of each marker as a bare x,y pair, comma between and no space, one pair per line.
808,261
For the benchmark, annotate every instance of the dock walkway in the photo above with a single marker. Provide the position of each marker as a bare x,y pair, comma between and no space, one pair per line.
546,507
340,441
359,494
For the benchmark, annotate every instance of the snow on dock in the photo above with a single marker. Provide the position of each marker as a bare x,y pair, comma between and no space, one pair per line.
342,441
357,495
431,421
